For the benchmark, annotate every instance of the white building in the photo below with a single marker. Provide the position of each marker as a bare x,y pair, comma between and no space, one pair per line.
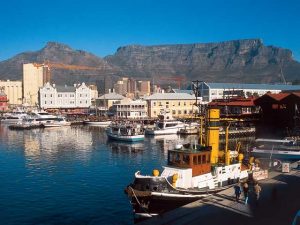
211,91
128,108
55,96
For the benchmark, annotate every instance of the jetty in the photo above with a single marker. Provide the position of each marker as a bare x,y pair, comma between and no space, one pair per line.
278,205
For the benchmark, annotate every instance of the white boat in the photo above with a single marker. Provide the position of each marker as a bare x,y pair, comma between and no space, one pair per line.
288,149
192,172
125,132
165,125
98,123
13,117
43,117
59,122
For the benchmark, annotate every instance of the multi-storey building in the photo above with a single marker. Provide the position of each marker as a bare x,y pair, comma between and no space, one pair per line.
143,87
127,108
34,77
13,90
179,104
211,91
58,97
105,102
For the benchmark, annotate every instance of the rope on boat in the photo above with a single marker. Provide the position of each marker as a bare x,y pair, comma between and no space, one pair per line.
137,200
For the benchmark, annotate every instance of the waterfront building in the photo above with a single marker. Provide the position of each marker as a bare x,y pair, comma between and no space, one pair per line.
236,107
280,113
105,102
3,101
53,96
13,90
179,104
127,108
210,91
34,77
94,91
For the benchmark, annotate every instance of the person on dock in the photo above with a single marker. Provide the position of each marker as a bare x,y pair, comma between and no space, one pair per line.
246,191
237,192
257,190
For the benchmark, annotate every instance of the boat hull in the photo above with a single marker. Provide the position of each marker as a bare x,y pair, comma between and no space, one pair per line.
98,123
286,155
134,138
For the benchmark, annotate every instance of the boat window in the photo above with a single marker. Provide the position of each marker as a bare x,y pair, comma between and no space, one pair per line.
208,158
199,159
171,124
195,161
186,159
160,125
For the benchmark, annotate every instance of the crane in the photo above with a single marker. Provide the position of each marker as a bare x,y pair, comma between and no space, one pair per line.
178,79
53,65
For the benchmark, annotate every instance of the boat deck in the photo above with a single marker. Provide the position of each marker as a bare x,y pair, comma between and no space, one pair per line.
222,208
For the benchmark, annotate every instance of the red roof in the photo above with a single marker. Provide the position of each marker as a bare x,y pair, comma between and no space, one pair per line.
246,102
278,96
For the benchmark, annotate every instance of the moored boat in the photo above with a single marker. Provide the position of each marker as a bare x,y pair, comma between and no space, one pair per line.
165,125
59,122
192,172
287,149
125,132
103,123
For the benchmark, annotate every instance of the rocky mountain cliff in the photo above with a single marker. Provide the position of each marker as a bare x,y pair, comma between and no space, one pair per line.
231,61
59,53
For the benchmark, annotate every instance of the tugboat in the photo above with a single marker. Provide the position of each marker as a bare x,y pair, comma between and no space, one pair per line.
192,172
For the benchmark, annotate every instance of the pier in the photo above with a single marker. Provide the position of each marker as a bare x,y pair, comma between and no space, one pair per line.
278,204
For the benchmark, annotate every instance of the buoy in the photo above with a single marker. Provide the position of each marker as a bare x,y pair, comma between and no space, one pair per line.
174,179
155,173
240,157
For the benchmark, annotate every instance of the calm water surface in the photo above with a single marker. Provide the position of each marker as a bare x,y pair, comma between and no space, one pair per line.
72,175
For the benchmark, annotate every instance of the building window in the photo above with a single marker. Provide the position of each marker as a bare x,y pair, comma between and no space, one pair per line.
184,103
173,112
154,103
179,112
185,111
178,103
45,95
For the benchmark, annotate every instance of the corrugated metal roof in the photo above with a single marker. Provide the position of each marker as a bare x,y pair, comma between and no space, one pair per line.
65,88
253,86
111,96
171,96
183,91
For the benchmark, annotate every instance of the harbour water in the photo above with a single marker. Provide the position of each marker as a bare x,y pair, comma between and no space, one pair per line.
72,175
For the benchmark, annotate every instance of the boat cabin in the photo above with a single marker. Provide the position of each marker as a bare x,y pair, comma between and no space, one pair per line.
196,159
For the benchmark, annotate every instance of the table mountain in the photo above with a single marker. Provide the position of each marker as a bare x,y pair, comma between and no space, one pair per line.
231,61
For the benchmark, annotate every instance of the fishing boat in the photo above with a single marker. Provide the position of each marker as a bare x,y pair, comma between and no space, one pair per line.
192,172
287,149
165,125
125,132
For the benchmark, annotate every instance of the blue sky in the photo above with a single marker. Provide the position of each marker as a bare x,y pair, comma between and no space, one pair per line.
101,27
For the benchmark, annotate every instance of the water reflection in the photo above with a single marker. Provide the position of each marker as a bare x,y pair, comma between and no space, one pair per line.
123,147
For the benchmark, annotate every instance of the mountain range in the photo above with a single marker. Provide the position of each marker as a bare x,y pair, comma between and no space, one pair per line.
248,61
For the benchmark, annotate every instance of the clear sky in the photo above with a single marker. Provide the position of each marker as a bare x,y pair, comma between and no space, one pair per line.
101,27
